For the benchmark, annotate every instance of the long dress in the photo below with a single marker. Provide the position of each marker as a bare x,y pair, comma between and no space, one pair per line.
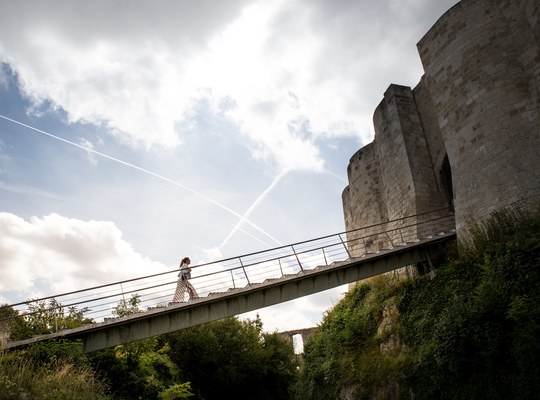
184,286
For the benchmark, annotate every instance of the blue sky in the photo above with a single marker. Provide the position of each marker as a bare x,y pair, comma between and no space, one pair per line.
206,112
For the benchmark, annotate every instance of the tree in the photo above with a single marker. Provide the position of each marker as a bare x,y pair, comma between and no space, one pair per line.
141,369
126,307
13,324
41,318
233,357
180,391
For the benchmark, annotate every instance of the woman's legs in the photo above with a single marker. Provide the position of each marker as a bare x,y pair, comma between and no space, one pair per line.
191,290
181,289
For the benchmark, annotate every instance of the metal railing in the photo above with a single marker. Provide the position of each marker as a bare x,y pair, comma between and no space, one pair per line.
98,303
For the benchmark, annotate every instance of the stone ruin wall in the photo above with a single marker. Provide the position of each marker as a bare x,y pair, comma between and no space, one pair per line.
467,137
482,68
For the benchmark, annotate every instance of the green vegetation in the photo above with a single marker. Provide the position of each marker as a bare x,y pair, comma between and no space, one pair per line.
344,353
22,377
228,356
236,358
42,318
469,332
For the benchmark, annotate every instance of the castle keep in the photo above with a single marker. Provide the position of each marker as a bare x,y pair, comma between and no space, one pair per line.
467,137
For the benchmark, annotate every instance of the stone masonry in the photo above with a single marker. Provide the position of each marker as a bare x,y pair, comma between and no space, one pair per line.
467,137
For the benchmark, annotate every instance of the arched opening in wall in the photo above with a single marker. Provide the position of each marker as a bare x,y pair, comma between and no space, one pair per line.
446,180
298,343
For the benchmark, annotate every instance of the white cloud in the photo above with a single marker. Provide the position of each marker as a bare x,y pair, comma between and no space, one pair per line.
138,67
55,254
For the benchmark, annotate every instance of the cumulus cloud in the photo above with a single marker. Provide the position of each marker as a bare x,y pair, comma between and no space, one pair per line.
55,254
294,71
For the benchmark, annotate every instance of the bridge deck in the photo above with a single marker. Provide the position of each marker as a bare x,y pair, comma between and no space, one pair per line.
269,278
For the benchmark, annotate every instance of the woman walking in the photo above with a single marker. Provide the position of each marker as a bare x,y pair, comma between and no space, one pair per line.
183,285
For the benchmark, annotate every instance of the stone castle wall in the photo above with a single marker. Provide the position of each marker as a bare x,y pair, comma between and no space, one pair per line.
467,137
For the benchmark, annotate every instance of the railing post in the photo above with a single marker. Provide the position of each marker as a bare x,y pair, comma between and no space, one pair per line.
280,267
345,246
122,290
244,269
365,246
387,235
324,255
232,277
297,259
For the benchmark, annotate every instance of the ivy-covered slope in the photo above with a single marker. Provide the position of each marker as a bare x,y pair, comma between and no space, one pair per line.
468,332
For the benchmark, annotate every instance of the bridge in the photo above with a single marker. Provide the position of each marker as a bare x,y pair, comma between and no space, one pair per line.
245,283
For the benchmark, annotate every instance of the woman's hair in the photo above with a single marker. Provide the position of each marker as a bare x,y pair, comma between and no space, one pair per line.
185,260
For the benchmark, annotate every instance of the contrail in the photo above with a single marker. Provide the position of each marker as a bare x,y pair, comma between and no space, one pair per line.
224,207
252,207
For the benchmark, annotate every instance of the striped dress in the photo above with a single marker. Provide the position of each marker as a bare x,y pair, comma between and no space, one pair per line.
183,286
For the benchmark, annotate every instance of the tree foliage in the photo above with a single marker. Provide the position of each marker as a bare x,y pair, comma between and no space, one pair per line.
228,356
42,317
127,307
180,391
234,357
13,324
143,368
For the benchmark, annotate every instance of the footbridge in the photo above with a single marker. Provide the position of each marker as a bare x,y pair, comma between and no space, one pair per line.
240,284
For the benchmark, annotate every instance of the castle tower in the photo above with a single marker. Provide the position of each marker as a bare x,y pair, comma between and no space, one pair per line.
482,70
467,137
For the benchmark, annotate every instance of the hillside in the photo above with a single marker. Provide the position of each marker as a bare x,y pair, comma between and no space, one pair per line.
467,332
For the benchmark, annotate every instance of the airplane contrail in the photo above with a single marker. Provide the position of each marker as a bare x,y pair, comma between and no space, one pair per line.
243,218
252,207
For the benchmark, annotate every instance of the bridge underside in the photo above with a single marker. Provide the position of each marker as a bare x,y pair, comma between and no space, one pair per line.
163,320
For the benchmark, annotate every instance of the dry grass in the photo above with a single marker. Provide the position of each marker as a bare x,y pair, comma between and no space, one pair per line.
22,378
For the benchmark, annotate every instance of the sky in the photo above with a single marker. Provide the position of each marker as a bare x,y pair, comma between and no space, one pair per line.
134,133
